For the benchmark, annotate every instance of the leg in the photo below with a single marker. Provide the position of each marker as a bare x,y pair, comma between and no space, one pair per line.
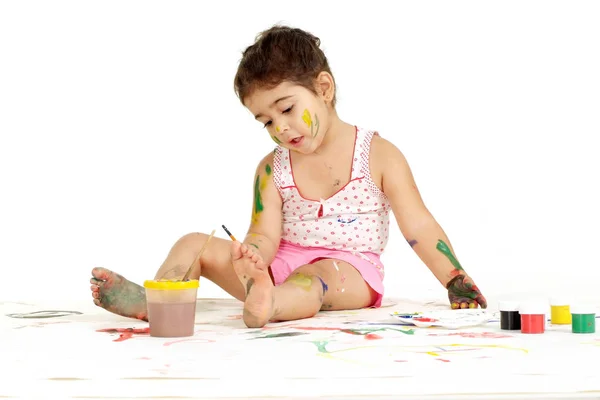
309,289
120,296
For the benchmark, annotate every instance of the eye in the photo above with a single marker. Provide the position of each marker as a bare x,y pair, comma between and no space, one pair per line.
287,110
268,124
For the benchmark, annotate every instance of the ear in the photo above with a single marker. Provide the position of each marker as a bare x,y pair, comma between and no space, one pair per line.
325,86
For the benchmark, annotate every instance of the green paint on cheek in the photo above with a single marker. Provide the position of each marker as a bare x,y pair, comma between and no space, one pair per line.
253,245
268,169
444,249
316,126
276,139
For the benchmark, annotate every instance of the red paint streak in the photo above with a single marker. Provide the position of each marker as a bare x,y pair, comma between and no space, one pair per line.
442,360
232,317
422,319
323,328
372,336
400,360
125,333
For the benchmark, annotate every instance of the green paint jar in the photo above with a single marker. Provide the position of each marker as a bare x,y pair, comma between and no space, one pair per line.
583,319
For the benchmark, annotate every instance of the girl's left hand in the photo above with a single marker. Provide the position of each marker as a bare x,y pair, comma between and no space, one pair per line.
463,293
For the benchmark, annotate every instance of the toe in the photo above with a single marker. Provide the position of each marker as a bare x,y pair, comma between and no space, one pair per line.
96,295
236,250
97,302
95,288
101,273
96,282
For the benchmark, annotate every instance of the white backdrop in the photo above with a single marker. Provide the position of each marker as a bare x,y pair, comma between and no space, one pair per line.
121,132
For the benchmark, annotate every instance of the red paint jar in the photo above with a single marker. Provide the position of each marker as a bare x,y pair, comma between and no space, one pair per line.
533,318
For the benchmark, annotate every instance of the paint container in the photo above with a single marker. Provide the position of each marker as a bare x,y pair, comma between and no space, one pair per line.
584,319
533,317
510,319
171,307
560,312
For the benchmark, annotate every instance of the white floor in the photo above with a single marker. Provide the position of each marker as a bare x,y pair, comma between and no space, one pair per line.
355,354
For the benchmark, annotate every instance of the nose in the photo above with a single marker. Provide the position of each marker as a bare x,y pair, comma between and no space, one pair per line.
282,128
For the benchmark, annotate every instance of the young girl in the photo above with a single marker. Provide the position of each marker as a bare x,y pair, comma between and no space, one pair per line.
321,207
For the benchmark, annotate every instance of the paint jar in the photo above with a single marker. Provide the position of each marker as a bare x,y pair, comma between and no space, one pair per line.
171,307
560,312
510,319
533,317
584,319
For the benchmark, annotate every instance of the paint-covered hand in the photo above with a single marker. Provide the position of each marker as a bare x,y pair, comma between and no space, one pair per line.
463,293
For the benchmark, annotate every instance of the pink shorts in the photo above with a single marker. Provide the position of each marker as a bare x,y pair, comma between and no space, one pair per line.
290,256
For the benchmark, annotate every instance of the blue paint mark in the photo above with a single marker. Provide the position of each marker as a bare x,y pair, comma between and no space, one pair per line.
325,287
347,221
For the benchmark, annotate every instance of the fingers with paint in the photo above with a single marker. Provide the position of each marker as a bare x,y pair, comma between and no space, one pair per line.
462,291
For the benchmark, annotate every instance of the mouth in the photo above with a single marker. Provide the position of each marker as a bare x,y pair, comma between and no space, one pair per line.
296,141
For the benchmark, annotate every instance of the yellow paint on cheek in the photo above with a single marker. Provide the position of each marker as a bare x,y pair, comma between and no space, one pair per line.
301,280
307,118
277,129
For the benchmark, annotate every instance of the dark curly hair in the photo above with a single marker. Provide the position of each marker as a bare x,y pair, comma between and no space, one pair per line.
281,54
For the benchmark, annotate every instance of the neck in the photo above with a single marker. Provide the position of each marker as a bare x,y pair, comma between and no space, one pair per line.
336,130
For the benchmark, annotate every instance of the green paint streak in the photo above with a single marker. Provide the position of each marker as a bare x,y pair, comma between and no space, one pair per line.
444,249
278,335
268,169
316,132
252,244
321,346
258,205
276,139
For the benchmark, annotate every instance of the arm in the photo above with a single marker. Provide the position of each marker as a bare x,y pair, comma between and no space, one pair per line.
264,233
419,227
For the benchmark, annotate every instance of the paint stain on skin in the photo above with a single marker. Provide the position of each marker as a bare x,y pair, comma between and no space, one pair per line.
325,287
259,186
314,127
277,129
253,245
301,280
268,169
412,243
276,139
126,333
445,249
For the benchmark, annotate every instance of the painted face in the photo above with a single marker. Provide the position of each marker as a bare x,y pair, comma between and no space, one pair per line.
291,114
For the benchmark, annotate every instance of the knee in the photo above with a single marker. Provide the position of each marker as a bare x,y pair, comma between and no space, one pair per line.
192,239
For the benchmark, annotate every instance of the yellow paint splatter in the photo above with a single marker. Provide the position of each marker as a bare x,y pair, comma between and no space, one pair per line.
277,129
307,118
302,280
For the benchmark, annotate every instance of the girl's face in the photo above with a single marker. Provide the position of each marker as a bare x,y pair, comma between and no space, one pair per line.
293,116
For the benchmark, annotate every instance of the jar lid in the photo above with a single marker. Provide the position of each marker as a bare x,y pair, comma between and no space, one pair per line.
559,301
508,306
583,309
533,308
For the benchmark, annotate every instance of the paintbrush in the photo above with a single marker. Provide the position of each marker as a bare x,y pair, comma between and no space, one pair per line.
189,271
229,233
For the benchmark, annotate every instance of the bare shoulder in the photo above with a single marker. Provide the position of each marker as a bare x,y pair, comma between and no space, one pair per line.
265,165
385,158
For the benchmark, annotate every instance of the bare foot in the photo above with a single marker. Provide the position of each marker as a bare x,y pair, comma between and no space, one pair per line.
118,295
254,275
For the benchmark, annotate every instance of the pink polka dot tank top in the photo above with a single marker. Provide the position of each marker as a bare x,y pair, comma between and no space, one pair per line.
355,219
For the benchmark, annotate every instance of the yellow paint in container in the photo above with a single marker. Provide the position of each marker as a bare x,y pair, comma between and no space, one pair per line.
560,311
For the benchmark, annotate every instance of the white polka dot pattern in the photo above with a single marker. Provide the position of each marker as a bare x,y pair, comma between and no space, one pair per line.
356,218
